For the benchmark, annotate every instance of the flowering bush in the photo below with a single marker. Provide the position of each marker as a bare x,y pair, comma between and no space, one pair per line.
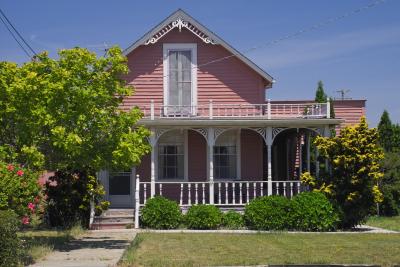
19,190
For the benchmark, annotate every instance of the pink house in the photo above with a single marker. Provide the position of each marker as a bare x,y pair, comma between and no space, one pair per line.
215,138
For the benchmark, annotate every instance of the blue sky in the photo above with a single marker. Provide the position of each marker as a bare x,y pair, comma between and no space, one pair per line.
360,53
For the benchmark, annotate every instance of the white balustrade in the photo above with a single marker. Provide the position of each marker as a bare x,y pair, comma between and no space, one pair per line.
214,110
229,193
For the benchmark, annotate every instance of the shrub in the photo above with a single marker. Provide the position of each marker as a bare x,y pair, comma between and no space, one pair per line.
69,195
161,213
268,213
203,217
355,159
232,220
10,244
19,190
312,211
391,185
391,200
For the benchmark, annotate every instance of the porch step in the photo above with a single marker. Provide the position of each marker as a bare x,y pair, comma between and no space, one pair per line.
118,212
114,219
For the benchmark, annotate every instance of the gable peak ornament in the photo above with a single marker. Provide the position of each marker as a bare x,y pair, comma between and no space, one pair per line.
180,23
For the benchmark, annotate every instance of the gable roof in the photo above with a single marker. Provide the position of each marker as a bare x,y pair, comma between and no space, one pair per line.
180,19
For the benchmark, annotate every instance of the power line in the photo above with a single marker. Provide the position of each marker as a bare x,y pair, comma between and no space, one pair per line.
313,27
15,38
305,30
16,31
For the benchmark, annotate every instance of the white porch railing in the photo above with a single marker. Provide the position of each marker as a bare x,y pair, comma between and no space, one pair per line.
215,111
226,193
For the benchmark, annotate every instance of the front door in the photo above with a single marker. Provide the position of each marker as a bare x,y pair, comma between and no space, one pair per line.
121,189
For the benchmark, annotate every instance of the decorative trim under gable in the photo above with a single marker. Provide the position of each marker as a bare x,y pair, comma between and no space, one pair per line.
180,23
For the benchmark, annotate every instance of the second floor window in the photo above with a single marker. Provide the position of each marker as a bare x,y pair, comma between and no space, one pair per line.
180,79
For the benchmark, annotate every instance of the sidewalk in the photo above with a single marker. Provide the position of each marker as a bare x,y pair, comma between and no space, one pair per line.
93,249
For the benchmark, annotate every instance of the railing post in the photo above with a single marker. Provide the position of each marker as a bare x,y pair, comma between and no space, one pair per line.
269,109
210,109
152,110
92,212
137,202
328,108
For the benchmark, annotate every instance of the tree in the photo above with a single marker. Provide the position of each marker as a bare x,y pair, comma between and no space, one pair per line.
385,129
352,184
332,108
64,114
320,96
67,109
391,185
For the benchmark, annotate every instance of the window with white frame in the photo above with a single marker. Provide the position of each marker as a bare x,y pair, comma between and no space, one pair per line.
171,155
225,156
180,62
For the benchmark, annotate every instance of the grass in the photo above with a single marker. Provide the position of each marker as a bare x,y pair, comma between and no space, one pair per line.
172,249
39,243
389,223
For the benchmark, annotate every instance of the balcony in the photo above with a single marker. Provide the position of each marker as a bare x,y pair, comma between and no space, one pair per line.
210,111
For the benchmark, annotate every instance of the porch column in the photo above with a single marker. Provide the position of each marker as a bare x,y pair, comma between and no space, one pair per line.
269,156
152,165
308,152
300,140
210,143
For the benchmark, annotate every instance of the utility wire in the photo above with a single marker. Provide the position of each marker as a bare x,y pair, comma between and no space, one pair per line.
302,31
15,38
16,31
294,34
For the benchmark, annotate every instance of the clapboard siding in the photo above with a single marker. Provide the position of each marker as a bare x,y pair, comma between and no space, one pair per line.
228,81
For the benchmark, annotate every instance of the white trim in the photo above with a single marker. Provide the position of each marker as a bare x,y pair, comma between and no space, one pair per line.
184,16
180,47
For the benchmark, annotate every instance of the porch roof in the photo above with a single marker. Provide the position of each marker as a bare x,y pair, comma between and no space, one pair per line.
239,122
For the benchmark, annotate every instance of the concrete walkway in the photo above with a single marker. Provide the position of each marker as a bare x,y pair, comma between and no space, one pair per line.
93,249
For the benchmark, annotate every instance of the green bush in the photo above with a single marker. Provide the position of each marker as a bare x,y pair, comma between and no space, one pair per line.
312,211
203,217
390,205
232,220
161,213
10,244
268,213
69,194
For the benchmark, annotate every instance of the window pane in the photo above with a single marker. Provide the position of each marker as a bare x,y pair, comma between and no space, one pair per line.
120,184
180,85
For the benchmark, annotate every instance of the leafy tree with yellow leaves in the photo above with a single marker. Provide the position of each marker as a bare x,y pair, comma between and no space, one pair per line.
354,158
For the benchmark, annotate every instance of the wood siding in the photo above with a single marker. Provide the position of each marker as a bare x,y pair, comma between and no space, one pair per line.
226,81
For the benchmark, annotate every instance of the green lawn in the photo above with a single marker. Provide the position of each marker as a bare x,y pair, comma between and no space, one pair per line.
389,223
153,249
38,243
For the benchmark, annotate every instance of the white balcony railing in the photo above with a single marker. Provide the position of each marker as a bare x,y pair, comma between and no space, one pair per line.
225,193
220,111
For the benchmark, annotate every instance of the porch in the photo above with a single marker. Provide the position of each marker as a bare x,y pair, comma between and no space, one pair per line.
222,154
